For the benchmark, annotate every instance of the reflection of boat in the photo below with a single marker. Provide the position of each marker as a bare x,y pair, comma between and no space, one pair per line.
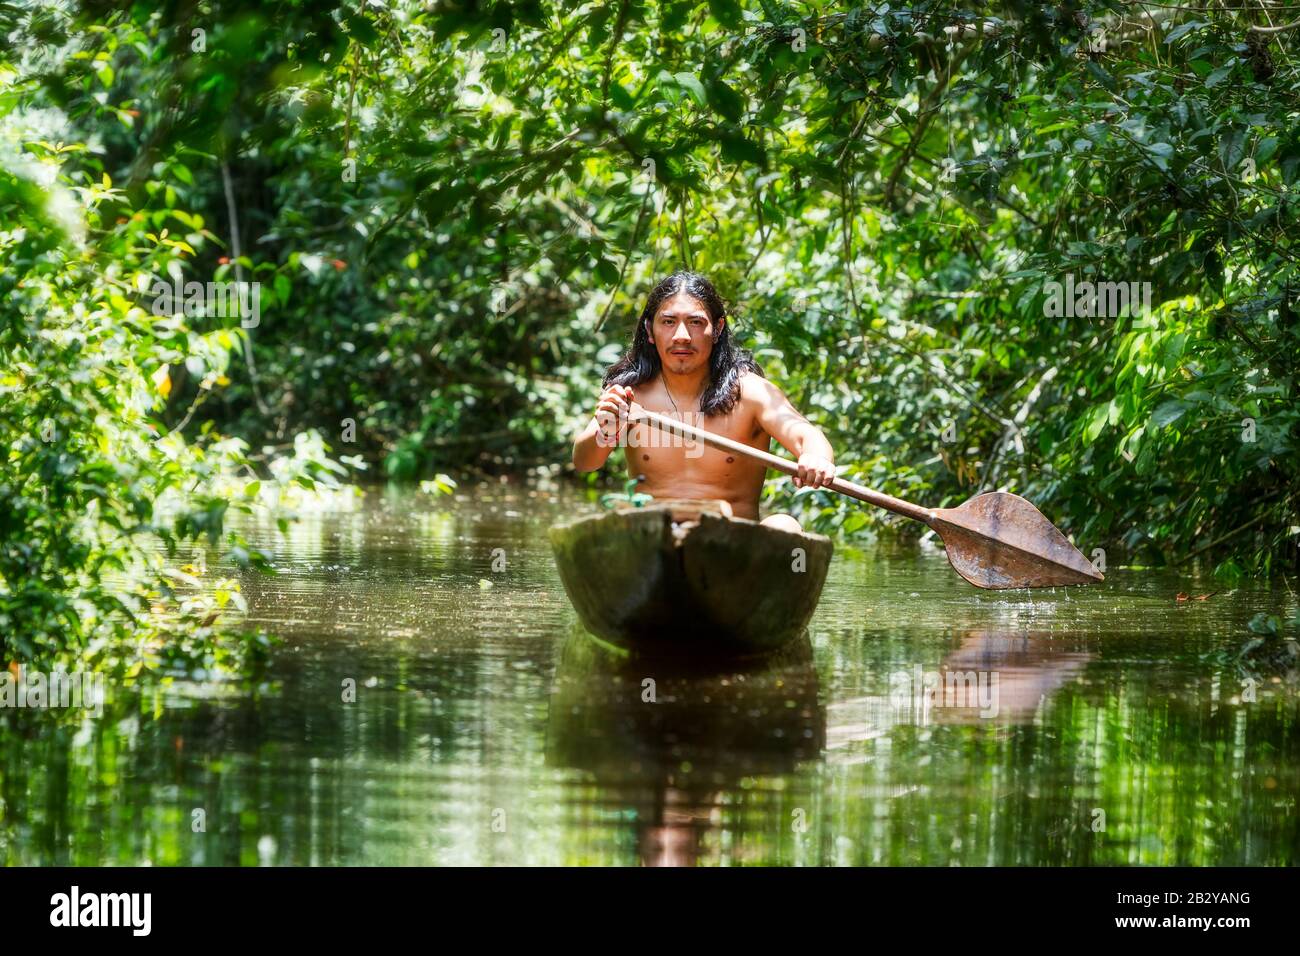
681,578
671,741
993,676
613,714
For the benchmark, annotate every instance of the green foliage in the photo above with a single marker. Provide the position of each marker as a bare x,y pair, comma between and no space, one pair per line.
456,213
99,492
440,485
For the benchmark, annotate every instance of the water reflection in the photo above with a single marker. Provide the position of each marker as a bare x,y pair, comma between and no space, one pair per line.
686,735
990,676
483,732
1028,668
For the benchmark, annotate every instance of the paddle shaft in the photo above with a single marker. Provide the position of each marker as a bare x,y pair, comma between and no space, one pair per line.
888,502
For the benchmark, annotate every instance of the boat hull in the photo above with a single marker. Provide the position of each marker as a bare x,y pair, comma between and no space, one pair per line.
712,585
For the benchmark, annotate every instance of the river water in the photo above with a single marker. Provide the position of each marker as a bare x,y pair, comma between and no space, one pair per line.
1116,724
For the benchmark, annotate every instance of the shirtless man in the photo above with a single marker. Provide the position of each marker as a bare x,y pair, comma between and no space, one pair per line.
683,364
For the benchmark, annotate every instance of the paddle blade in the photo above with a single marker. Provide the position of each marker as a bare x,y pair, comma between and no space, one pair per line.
1000,540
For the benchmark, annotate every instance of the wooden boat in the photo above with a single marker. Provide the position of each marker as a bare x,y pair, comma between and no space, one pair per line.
685,578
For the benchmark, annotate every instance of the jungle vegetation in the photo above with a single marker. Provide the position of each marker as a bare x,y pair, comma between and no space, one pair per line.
453,212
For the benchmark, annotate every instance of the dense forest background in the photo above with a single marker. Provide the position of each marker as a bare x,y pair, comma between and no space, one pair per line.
455,211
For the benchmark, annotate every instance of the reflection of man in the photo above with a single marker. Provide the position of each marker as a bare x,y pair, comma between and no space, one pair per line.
683,364
674,838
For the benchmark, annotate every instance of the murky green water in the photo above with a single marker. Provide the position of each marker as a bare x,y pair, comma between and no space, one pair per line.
487,730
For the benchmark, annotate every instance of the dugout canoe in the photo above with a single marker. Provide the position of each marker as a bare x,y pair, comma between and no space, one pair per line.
682,578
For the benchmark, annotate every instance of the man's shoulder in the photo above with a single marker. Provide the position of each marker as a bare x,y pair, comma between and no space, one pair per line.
755,388
759,396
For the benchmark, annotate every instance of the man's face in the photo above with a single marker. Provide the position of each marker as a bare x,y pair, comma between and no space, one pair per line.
683,334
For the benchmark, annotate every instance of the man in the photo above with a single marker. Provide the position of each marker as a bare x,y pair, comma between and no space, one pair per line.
683,364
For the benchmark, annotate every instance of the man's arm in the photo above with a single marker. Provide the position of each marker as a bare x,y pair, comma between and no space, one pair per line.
802,438
602,435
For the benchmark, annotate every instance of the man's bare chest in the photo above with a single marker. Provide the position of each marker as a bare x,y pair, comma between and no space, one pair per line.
652,451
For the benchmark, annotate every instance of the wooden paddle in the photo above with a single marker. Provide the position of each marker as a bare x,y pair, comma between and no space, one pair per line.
995,540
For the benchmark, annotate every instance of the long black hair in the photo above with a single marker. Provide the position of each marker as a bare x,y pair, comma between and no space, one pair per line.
727,362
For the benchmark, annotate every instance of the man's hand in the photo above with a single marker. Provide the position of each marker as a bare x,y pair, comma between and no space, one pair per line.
796,434
814,471
611,414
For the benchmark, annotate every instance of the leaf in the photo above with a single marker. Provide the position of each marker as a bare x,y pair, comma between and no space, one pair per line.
620,97
854,522
1182,29
1219,75
435,203
1232,148
725,101
1096,422
362,29
607,271
1169,412
162,380
738,148
1160,154
726,12
692,85
1102,77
